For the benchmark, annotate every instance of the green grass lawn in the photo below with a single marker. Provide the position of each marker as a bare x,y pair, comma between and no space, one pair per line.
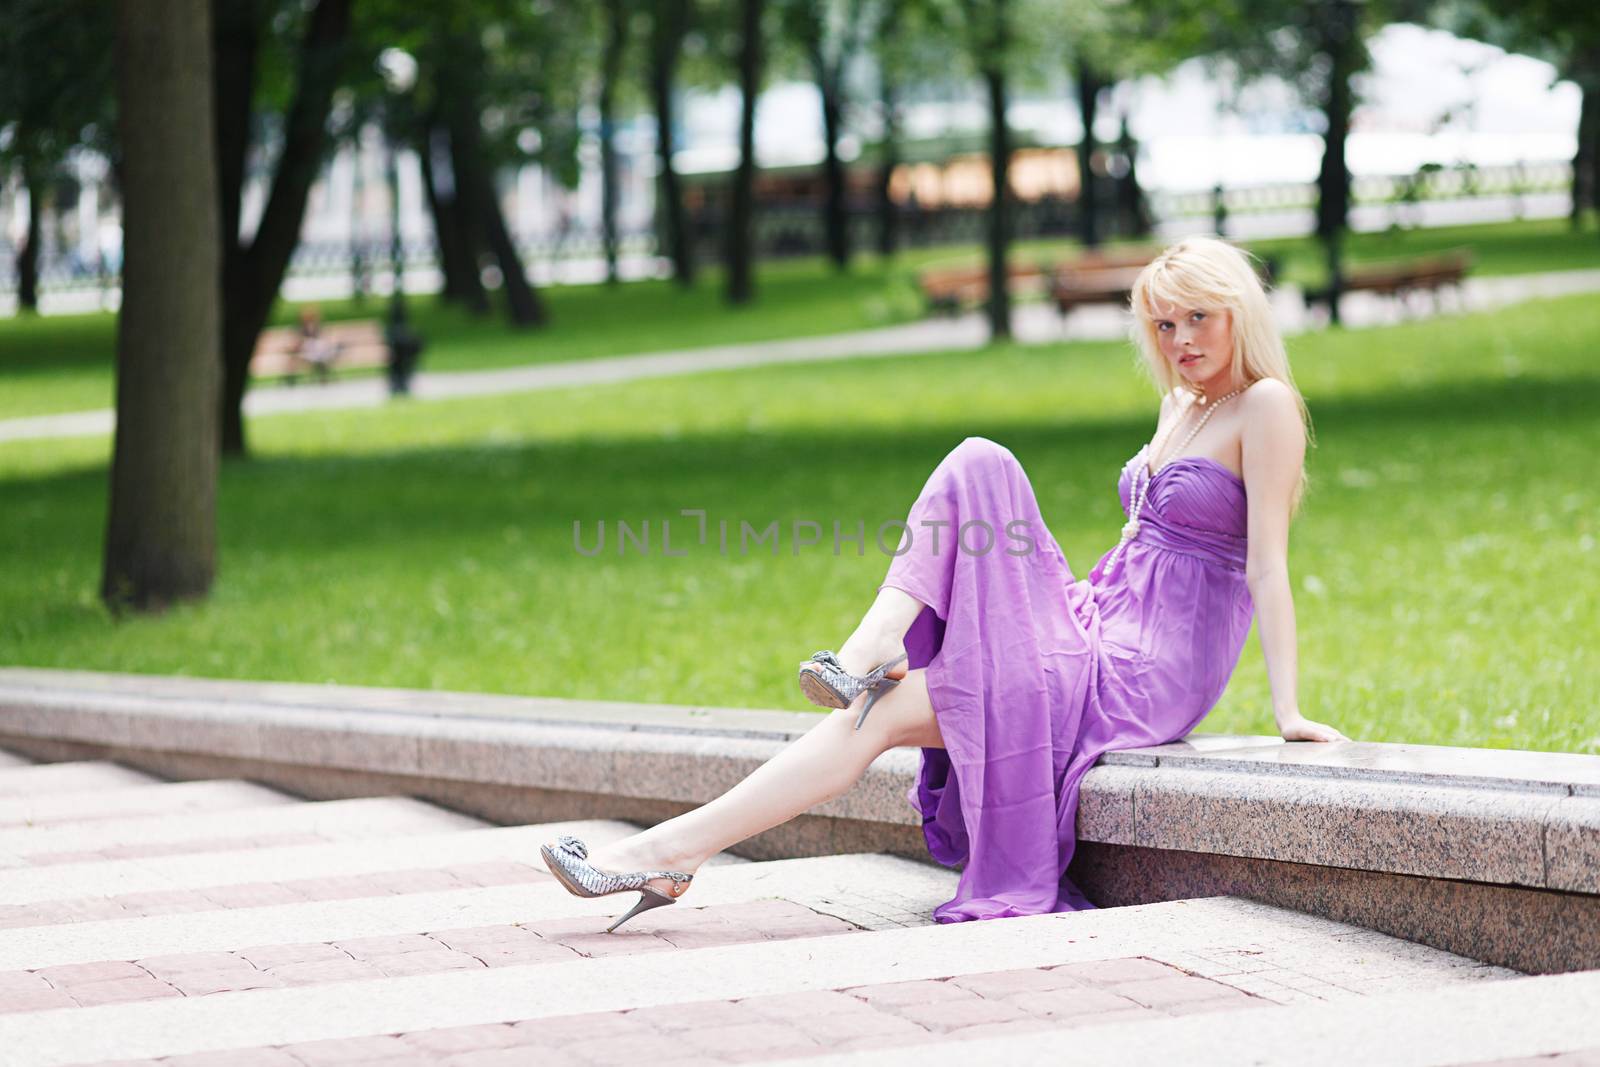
64,363
1443,563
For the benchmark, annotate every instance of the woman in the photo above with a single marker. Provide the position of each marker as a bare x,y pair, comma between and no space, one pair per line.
1014,677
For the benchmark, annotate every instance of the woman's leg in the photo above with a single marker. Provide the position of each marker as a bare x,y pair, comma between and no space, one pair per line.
821,764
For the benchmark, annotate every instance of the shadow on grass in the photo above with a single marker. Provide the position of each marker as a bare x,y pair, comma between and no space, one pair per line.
446,494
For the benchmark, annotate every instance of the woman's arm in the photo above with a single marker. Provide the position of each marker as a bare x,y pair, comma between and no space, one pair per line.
1273,446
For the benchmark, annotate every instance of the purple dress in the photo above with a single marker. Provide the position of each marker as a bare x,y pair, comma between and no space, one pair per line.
1033,673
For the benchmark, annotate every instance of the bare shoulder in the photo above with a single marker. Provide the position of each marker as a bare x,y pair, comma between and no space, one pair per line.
1270,402
1270,395
1271,414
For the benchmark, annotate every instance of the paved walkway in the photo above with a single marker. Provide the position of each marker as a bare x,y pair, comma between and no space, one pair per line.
1032,324
389,931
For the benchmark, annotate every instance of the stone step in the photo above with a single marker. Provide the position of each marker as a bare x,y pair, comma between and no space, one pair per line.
856,891
1543,1021
295,863
1403,838
34,779
332,820
1233,938
134,801
274,966
1441,1027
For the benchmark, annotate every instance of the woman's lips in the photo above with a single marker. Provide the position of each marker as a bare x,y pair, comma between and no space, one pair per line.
1191,358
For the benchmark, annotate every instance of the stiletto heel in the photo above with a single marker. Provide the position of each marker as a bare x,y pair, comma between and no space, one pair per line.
877,691
829,685
568,861
648,898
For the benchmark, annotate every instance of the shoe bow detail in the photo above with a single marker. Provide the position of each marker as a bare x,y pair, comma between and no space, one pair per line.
574,846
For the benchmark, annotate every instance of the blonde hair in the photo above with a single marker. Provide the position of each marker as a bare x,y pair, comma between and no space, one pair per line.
1207,273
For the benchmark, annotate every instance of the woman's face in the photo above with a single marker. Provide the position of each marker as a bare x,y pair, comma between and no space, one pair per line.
1197,342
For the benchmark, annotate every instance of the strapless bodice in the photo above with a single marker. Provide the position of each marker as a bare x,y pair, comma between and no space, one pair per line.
1193,505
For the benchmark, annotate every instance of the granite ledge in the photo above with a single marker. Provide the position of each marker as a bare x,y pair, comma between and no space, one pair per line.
1513,818
1557,773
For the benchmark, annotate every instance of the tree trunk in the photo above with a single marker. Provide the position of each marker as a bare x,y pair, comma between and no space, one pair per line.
888,210
835,206
671,23
477,202
523,303
481,214
458,254
610,74
741,225
889,103
1089,85
1333,180
236,44
253,275
999,205
1585,164
161,530
28,254
1135,209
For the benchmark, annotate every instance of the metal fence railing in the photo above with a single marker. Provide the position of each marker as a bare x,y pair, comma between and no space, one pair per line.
795,228
1431,183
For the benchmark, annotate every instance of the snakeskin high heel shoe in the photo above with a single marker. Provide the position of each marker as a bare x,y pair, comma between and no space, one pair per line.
829,685
569,862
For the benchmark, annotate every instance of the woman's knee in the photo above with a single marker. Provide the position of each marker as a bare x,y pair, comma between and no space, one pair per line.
983,446
981,452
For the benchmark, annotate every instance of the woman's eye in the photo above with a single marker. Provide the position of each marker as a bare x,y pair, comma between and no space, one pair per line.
1163,325
1198,315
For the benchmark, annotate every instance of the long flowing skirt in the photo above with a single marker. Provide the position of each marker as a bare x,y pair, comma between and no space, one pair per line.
1010,641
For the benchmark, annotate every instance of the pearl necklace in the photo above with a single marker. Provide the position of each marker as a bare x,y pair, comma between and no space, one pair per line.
1142,479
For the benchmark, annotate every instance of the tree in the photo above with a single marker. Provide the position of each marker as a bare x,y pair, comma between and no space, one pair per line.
1318,47
56,93
830,36
618,17
913,46
1108,46
460,84
1090,85
891,71
740,236
1565,34
669,23
161,534
253,271
986,36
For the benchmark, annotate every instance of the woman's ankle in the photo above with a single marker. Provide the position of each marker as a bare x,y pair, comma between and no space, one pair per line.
870,645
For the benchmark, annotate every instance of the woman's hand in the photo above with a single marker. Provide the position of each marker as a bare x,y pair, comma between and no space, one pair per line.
1300,728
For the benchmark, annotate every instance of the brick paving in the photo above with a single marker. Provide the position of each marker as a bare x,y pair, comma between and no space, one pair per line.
69,1008
783,1026
280,966
260,894
151,849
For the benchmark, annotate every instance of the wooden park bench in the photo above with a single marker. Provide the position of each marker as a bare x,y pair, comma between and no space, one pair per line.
951,290
954,289
1108,278
1075,287
1427,274
1110,258
359,343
